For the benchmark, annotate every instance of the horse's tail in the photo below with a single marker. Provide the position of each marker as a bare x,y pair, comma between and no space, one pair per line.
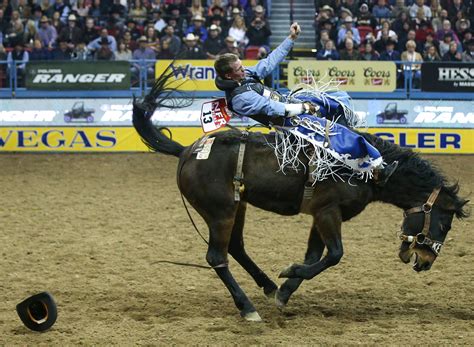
161,95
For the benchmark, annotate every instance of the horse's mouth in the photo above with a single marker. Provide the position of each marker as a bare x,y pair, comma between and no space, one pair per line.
411,256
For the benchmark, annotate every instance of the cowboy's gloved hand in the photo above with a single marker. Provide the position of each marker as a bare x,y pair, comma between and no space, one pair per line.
310,108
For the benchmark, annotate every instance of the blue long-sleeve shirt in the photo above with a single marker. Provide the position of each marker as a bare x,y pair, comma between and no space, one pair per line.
251,103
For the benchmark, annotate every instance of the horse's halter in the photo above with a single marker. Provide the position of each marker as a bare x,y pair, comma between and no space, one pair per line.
422,238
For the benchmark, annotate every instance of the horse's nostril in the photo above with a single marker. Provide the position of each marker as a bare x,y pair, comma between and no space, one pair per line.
426,266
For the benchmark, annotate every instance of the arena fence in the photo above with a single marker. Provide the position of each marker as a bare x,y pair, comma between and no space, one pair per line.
413,80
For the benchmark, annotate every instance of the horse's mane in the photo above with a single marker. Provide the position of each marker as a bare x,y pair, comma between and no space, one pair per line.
412,167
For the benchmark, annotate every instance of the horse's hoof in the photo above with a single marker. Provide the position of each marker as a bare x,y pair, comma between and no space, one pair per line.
253,317
289,272
280,304
271,294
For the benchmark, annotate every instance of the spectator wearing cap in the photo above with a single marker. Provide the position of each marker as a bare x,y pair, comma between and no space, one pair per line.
462,25
257,12
143,52
217,17
329,52
258,32
159,22
381,10
175,23
63,9
39,52
349,52
238,31
453,53
104,52
37,14
191,48
365,17
231,47
348,26
138,12
96,44
214,42
390,54
468,55
71,33
221,23
173,41
20,56
236,11
197,28
90,32
62,51
419,4
46,33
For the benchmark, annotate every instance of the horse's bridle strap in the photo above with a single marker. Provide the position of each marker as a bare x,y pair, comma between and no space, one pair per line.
422,237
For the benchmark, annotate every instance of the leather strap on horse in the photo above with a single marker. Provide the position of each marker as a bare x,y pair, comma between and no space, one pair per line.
239,186
423,238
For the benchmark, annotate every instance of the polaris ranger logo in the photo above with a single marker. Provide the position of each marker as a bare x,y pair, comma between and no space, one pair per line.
48,78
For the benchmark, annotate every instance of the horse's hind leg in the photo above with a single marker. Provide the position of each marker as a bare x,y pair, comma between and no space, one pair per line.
219,238
313,254
237,250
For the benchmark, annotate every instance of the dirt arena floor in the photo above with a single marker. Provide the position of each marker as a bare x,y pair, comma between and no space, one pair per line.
92,230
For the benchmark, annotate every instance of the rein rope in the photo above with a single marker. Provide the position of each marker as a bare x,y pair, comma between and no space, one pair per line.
423,237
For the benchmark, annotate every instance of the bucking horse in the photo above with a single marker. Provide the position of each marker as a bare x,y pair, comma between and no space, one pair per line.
210,186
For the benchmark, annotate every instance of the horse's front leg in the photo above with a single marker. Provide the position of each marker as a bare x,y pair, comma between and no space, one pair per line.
313,254
328,222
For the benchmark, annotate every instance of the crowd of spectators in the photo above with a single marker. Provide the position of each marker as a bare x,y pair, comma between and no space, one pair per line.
409,30
131,30
395,30
124,30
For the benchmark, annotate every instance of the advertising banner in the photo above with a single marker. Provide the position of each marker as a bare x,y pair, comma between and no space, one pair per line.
447,77
197,75
97,75
360,76
118,112
125,139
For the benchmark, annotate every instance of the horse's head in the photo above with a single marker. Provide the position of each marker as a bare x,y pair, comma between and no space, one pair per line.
425,227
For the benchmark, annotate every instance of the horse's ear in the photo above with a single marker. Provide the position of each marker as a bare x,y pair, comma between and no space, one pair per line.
461,211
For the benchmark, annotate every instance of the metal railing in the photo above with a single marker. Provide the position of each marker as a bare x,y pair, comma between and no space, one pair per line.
12,85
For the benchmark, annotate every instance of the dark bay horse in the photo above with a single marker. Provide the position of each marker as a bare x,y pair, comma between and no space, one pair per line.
416,187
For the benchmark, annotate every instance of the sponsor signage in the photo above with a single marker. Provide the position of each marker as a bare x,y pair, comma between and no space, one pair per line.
447,77
95,75
125,139
360,76
193,75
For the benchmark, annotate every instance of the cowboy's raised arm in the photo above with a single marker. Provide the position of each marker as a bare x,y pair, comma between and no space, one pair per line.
267,65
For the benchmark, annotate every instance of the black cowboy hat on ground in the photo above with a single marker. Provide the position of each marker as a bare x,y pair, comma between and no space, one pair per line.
38,312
